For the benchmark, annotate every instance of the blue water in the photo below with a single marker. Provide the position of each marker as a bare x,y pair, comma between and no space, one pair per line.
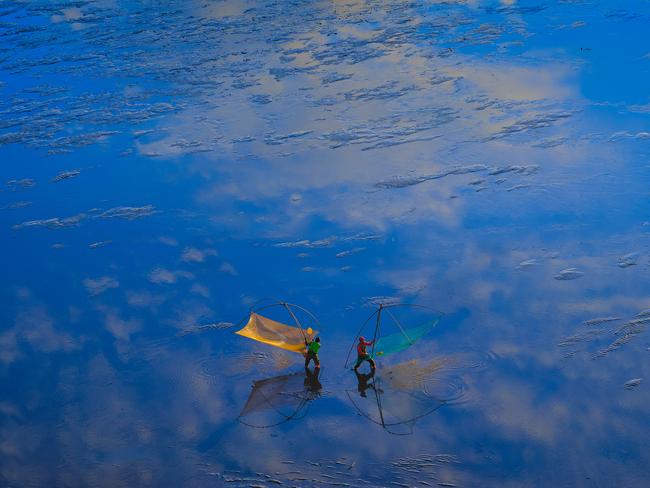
167,166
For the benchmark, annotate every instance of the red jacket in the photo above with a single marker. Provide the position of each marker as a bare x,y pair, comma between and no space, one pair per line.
361,347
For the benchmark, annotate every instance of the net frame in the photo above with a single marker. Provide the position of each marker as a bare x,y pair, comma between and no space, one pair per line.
378,325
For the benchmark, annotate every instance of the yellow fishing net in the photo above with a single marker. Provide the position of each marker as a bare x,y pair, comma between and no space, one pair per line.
276,334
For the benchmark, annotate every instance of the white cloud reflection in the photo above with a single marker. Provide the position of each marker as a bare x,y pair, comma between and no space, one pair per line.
288,130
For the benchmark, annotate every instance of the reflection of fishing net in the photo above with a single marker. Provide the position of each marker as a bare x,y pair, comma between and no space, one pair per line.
275,333
402,394
413,375
276,400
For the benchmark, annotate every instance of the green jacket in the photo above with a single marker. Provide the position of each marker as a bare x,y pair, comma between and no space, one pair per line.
313,347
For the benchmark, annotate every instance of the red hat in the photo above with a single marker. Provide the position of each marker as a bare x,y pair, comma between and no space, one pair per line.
361,338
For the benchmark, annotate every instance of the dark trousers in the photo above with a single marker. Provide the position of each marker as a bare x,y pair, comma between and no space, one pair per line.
310,355
365,357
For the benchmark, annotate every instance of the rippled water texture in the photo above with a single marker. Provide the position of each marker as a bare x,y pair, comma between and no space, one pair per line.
166,165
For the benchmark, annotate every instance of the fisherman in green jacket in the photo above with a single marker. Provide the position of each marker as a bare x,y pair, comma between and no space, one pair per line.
312,352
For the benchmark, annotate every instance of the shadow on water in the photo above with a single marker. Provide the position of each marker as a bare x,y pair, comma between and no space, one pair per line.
274,401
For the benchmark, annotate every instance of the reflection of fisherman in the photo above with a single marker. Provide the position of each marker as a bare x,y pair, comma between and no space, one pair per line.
312,352
363,384
362,354
312,383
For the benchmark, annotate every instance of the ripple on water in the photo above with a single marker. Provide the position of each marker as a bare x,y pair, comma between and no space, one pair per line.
600,320
633,383
16,205
423,469
195,329
210,368
527,263
608,327
434,378
581,337
381,300
127,213
24,183
628,260
66,175
246,362
569,274
98,244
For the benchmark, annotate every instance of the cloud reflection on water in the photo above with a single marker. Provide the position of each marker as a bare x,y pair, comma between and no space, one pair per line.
464,146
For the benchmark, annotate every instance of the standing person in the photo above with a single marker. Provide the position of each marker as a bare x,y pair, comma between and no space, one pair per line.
362,354
312,352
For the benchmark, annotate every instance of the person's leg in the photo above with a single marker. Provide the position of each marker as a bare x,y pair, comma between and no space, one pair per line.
307,359
372,363
359,361
316,361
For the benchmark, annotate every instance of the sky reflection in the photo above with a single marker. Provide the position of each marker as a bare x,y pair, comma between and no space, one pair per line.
166,167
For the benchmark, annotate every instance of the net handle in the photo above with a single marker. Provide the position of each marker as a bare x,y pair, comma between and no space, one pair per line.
347,359
374,337
285,305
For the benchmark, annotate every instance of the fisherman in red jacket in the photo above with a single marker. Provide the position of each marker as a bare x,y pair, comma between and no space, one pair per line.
362,354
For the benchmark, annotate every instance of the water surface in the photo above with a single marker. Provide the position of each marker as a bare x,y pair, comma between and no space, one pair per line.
165,166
